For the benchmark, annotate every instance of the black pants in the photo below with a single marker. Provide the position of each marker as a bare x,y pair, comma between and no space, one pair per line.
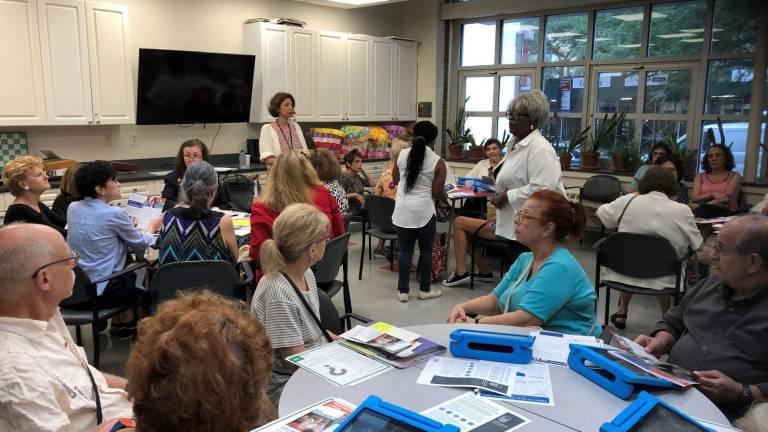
407,237
118,292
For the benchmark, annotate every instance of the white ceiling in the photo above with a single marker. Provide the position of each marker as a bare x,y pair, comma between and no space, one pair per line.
350,4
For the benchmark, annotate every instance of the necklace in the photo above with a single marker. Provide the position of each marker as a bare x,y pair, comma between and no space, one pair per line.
289,138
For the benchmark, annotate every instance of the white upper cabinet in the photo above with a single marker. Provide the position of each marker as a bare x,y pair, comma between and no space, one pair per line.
330,75
405,80
358,78
382,78
110,63
271,45
64,46
301,71
21,74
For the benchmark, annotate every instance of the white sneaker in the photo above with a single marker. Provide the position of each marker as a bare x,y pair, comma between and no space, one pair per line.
433,293
403,297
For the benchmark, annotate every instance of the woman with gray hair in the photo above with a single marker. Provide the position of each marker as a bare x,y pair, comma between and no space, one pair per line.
191,231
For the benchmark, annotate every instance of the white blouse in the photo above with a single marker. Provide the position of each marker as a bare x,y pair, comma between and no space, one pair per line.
269,143
530,165
414,208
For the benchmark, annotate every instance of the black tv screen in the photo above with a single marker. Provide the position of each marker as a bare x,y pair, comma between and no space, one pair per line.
184,87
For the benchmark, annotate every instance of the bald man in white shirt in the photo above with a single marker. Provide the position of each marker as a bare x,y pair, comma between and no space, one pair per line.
46,383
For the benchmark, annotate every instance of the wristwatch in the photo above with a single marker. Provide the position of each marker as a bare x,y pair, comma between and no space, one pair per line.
477,320
745,397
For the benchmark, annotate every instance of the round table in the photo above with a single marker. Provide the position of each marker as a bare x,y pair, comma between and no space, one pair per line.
579,404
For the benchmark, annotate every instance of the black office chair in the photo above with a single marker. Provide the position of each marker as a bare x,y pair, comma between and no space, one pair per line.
218,276
327,269
379,210
599,189
639,256
330,318
85,291
237,191
508,250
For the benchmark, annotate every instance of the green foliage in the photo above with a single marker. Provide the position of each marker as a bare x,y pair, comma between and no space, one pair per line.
630,149
578,138
601,137
566,48
460,135
709,136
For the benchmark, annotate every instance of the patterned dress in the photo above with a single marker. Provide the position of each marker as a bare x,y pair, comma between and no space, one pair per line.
185,238
340,195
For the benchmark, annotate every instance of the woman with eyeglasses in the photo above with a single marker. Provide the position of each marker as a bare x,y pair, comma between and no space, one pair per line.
718,184
190,151
660,149
546,287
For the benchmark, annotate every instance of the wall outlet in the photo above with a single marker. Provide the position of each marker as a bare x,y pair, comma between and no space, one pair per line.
108,140
134,140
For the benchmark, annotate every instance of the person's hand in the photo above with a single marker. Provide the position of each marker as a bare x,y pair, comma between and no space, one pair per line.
107,425
359,197
499,199
693,206
154,225
718,386
457,315
333,335
655,345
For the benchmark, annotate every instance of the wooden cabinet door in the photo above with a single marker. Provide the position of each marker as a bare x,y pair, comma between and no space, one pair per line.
382,79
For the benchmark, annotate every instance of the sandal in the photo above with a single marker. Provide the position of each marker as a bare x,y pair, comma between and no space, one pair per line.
621,325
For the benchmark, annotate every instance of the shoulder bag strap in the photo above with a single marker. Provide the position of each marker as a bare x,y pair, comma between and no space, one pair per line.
519,279
621,216
309,309
99,414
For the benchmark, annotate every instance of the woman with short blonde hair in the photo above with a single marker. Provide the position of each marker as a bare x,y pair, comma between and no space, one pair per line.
286,298
25,178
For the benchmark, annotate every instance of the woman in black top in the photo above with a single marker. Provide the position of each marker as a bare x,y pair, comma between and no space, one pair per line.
191,151
26,180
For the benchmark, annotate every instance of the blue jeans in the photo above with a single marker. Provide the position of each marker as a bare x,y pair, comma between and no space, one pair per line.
408,238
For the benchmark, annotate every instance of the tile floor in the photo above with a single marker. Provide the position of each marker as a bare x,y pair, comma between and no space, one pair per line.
375,298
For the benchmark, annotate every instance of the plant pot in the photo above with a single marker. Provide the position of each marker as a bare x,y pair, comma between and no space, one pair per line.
618,164
589,161
476,153
565,161
456,151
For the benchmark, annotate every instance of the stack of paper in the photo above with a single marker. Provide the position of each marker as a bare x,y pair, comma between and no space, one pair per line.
324,416
142,209
339,364
552,347
393,345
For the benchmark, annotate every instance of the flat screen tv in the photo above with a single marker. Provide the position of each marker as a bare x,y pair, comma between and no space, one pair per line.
185,87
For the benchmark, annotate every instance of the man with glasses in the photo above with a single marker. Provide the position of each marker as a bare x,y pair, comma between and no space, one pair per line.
45,381
720,329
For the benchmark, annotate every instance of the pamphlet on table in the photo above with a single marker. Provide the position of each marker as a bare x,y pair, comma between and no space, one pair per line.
533,385
455,372
392,345
142,210
324,416
552,347
471,413
339,364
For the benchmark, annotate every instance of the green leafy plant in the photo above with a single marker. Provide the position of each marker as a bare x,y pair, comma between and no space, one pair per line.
505,138
578,137
458,134
710,135
601,136
631,152
679,149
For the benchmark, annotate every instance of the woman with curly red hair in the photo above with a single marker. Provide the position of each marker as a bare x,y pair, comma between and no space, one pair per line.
200,363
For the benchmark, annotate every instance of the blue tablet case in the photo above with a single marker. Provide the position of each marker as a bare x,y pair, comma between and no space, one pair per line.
612,376
477,184
397,414
493,346
648,412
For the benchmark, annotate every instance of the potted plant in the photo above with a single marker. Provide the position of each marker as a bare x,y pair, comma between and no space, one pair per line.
624,155
590,153
685,154
458,134
477,152
632,154
577,140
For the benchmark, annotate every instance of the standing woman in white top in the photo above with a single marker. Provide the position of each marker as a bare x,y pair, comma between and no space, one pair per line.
283,134
424,179
530,165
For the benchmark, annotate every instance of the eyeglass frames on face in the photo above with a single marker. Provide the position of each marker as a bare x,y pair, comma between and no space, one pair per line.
521,216
73,255
514,115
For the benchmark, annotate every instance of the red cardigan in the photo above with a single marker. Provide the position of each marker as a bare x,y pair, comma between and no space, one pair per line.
262,218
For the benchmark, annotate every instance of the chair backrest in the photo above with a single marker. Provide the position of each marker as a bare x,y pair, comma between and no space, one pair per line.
329,316
380,209
82,291
638,255
327,268
237,191
601,188
217,276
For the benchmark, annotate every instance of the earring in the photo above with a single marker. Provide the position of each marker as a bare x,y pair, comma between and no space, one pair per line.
25,187
531,127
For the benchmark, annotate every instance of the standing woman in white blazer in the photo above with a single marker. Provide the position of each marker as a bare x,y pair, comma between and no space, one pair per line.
283,134
530,165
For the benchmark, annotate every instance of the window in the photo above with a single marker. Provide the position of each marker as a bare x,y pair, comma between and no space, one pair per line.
618,33
478,43
729,87
667,92
566,38
478,93
734,26
520,41
677,29
564,87
617,91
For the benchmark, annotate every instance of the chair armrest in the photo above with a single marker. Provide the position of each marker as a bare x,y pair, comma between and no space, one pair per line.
599,244
477,231
573,187
355,316
248,273
128,269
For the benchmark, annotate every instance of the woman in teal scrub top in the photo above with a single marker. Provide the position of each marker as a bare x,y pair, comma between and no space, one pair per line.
546,287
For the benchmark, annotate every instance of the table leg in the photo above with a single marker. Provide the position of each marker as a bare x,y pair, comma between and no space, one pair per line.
450,229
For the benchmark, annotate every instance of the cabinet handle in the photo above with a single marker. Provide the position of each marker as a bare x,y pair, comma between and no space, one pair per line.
90,121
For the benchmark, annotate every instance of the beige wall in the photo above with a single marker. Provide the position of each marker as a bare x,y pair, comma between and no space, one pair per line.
202,25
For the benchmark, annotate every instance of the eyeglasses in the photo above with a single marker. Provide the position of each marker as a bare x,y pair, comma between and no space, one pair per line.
73,255
514,115
521,216
192,157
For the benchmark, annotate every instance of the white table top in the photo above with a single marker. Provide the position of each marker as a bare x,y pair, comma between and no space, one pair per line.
572,410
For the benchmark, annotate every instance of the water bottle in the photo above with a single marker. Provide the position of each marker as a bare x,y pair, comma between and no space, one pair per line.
243,158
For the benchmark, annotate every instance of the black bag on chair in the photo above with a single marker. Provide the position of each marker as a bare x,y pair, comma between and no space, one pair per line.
237,191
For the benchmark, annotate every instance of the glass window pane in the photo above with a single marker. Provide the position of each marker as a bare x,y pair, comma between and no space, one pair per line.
735,136
520,41
623,133
734,27
480,93
729,87
564,87
618,33
502,129
558,131
677,29
478,43
617,91
667,92
510,87
566,38
662,130
480,127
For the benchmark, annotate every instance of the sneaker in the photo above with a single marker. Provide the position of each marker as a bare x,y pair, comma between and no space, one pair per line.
484,277
433,293
403,297
456,279
123,333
